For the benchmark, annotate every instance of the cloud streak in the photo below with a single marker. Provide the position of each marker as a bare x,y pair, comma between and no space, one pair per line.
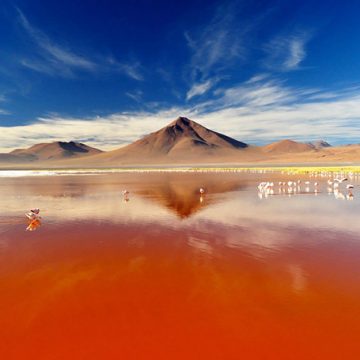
286,53
56,60
217,44
200,88
135,95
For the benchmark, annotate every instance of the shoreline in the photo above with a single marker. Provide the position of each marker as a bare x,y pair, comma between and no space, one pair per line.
291,168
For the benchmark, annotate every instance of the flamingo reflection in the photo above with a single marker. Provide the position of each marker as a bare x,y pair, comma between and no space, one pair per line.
34,219
126,195
33,225
350,195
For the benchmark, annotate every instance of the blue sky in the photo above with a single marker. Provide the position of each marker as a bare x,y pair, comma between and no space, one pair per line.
108,72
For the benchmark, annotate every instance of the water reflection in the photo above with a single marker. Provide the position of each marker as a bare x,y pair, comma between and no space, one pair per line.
180,193
175,269
33,225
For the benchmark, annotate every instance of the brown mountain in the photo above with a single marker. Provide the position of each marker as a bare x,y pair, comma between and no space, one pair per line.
183,140
50,151
183,135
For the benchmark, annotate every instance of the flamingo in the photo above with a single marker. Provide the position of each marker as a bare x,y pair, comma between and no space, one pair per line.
341,180
33,214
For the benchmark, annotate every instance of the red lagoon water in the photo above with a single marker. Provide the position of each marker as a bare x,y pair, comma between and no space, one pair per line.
170,275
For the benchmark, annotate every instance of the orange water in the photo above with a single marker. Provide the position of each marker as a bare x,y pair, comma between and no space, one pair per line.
167,276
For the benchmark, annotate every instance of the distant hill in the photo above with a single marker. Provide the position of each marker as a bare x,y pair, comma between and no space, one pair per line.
287,146
49,152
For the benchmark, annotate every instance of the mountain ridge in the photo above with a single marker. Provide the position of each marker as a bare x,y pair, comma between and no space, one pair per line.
182,141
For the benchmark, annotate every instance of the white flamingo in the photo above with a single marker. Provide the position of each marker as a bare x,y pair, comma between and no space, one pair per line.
33,214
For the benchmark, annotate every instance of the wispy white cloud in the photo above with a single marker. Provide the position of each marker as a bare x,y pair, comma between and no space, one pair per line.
200,88
135,95
57,60
54,58
40,66
255,95
285,53
3,99
217,44
132,69
257,78
296,53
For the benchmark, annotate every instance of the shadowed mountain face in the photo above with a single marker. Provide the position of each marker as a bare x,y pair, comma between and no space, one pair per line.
52,151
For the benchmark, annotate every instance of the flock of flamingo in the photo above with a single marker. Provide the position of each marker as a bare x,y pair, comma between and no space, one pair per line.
267,188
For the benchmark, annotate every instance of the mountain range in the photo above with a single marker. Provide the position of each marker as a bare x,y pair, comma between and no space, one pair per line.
183,141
